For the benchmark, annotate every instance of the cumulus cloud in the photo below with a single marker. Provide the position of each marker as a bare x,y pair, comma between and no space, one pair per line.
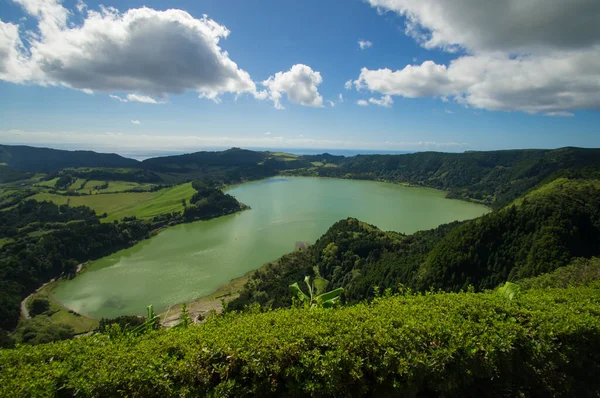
427,79
531,84
340,98
348,85
386,101
364,44
540,56
299,84
136,122
331,103
11,50
150,52
501,25
362,103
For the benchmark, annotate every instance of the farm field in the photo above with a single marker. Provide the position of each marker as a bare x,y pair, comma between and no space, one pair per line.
128,204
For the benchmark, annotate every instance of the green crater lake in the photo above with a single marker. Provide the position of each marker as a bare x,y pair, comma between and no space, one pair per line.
193,260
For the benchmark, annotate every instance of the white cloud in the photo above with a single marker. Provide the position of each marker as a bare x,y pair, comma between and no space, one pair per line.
268,133
537,56
136,98
559,114
363,44
362,103
448,111
428,79
340,98
299,84
11,50
136,122
386,101
348,85
150,52
118,98
331,103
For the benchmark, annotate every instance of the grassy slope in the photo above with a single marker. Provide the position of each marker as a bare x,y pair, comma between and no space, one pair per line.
49,183
544,343
119,205
81,324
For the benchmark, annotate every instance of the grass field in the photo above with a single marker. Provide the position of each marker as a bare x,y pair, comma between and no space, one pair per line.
113,186
120,186
49,183
81,323
119,205
76,185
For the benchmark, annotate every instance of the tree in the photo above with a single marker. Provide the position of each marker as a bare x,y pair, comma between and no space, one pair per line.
38,305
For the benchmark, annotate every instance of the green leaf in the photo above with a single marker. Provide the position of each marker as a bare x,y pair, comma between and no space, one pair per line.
510,290
295,289
332,295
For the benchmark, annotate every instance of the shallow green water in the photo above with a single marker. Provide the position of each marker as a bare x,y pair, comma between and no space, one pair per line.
193,260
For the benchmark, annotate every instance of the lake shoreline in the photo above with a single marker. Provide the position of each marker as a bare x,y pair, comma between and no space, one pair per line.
383,200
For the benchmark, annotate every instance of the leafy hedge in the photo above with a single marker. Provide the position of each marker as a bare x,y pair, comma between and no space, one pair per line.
546,343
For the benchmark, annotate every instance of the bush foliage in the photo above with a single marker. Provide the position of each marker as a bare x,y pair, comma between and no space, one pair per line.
545,343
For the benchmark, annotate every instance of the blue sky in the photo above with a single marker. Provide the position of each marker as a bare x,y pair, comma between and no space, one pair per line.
458,92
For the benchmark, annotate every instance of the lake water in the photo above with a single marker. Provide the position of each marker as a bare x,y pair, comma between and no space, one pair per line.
192,260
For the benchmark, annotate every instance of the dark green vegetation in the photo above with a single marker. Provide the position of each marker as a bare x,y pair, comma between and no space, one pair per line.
49,241
543,235
40,330
26,158
539,233
546,343
495,178
581,272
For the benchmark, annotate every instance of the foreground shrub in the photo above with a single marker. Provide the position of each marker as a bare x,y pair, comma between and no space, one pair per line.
545,343
581,272
40,330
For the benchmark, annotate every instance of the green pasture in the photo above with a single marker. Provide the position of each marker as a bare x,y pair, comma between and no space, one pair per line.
128,204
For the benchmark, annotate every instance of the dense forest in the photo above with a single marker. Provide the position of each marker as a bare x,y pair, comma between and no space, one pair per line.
537,234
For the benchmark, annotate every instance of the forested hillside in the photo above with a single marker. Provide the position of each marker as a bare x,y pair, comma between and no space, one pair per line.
492,177
28,158
537,234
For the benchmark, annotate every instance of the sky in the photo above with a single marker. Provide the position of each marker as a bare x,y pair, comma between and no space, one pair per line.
394,75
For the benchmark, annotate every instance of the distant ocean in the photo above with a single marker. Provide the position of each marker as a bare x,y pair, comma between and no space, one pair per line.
146,154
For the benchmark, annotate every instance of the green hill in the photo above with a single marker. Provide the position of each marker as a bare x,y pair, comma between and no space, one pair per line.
46,160
492,177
